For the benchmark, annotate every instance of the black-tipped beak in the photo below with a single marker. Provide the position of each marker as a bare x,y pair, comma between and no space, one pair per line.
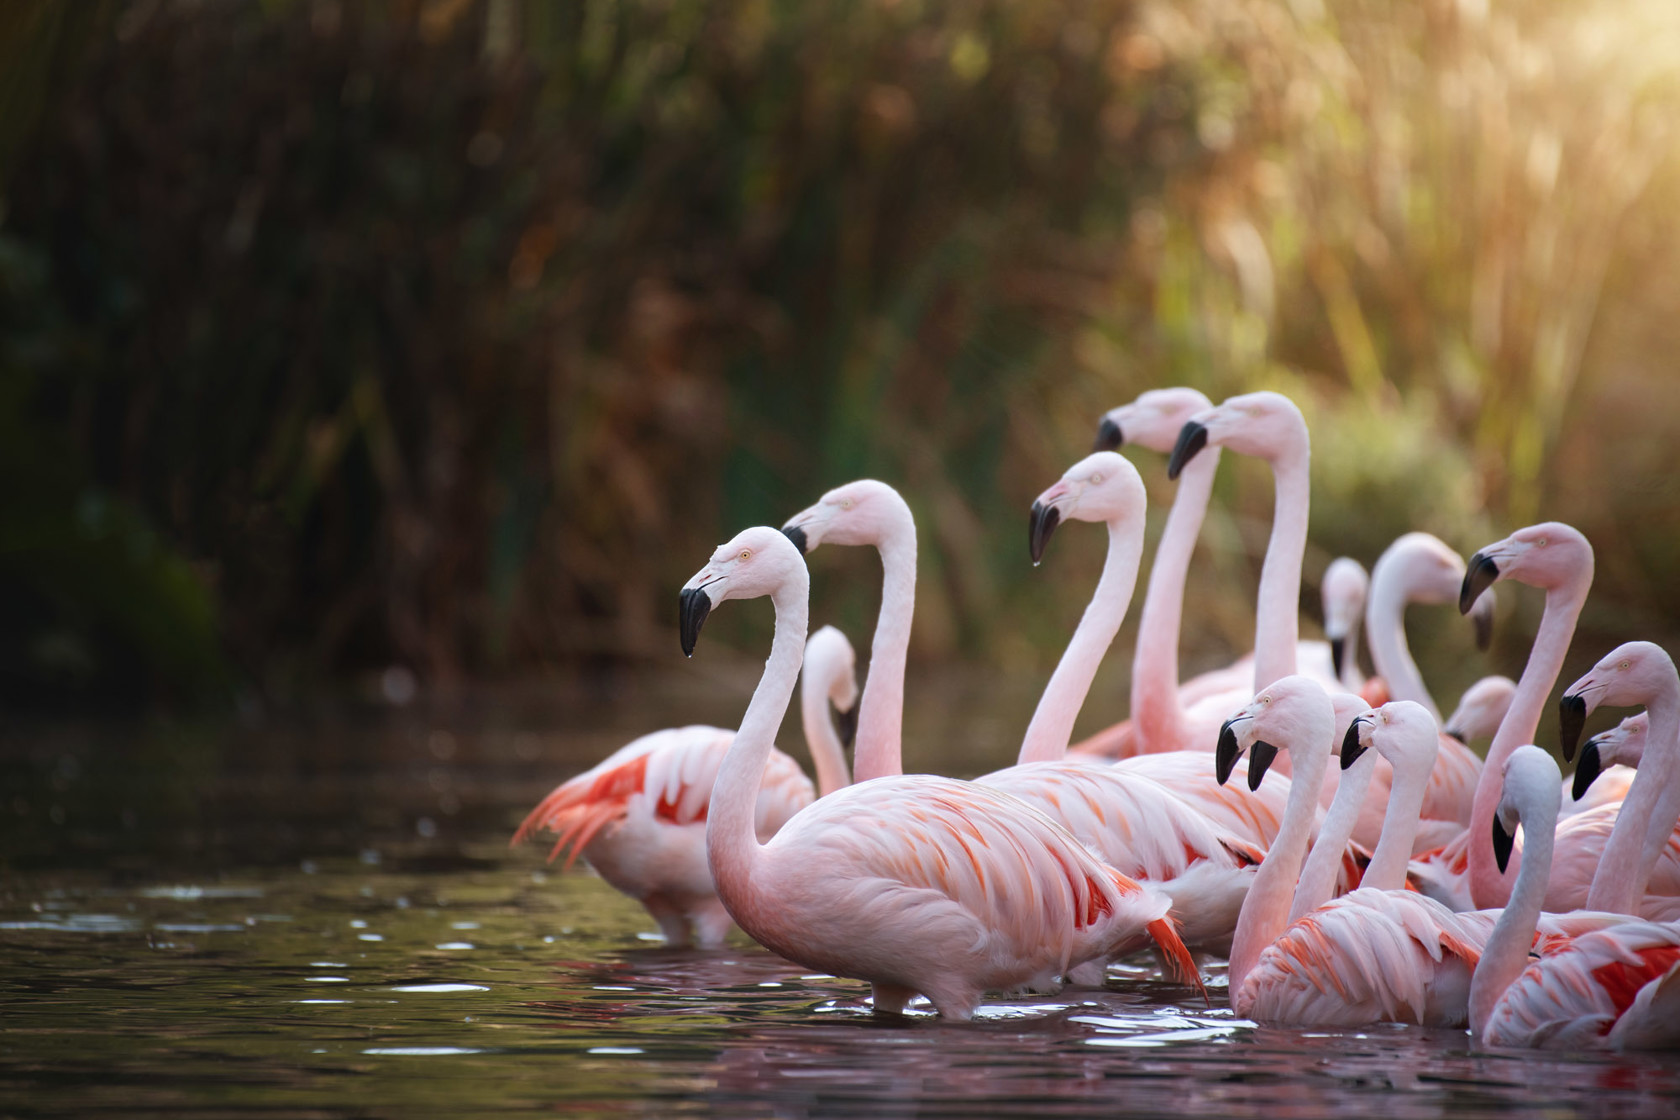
695,606
1587,770
1108,436
1352,748
1260,758
1572,717
1043,523
1484,629
845,722
1191,439
795,534
1456,733
1338,650
1501,844
1478,577
1226,754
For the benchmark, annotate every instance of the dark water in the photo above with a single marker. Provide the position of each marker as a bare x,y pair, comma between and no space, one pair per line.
325,920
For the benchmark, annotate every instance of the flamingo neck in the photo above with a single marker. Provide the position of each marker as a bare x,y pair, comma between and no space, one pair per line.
880,728
1317,884
1387,869
1641,830
1278,608
1391,656
732,846
1505,954
1052,721
1488,888
1157,712
1265,911
828,755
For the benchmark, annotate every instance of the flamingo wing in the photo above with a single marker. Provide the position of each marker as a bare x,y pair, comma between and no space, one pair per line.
1577,997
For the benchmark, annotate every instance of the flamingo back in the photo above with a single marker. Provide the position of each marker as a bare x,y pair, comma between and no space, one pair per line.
1576,998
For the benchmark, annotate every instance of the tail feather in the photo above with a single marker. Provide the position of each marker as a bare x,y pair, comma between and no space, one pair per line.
580,808
1181,967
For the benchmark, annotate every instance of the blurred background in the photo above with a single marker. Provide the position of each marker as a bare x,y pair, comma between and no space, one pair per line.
405,347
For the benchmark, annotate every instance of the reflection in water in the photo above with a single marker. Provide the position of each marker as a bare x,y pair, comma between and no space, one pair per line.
396,973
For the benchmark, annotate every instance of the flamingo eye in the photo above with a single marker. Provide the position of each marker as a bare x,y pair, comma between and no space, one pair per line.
1096,479
1541,542
845,503
746,554
1625,665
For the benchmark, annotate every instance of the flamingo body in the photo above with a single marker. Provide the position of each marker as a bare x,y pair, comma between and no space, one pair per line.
1617,988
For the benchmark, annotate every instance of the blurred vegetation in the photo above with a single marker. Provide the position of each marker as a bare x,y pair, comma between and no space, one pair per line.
452,335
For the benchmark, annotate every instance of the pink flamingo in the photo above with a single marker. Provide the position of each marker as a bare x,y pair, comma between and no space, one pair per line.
1624,869
915,883
1481,708
639,816
1344,590
1613,988
1556,558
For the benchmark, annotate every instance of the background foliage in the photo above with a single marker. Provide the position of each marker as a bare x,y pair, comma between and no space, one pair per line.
452,335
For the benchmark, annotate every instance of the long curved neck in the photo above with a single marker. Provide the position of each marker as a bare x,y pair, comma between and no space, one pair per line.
1052,721
1619,883
1505,954
1277,612
1488,888
1265,911
1157,713
1387,870
1318,876
828,755
732,846
880,732
1385,618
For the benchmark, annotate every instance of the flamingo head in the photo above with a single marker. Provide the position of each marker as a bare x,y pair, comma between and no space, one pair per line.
1530,793
1482,707
1622,745
1152,421
1426,570
829,655
1263,424
1103,486
1401,731
865,512
1343,590
757,562
1550,556
1288,713
1632,673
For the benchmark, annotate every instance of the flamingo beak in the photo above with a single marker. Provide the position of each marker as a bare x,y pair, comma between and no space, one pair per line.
693,607
1501,844
1260,758
1043,522
1352,748
1587,770
1478,577
1481,614
797,535
1456,733
1572,717
1226,754
1338,651
845,722
1109,437
1191,439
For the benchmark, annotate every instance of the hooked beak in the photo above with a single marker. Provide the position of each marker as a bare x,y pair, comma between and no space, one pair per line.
1587,770
845,722
797,535
1260,758
1191,439
1042,524
1352,748
1483,620
1108,436
1572,716
1226,754
1501,844
694,606
1456,733
1338,650
1478,577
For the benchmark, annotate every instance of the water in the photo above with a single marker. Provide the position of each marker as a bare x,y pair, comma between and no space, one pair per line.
326,920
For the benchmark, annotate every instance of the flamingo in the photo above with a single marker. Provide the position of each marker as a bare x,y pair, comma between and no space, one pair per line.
1614,988
639,816
1344,589
1632,867
1481,708
1558,559
915,883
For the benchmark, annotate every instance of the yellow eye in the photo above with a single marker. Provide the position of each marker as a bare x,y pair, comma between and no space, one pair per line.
845,503
1541,542
746,554
1096,479
1625,665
